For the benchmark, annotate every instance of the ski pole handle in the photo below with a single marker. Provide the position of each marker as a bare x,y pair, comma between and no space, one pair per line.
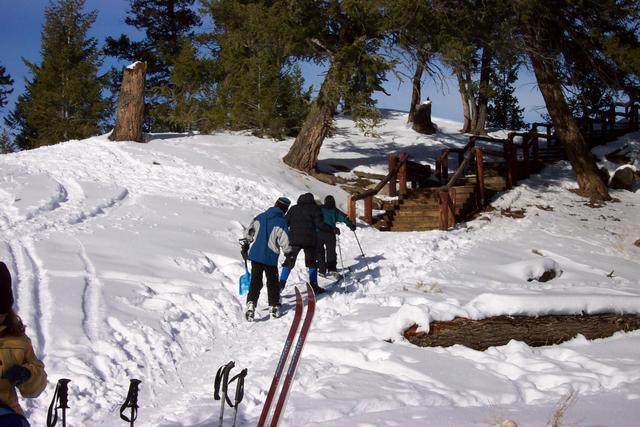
59,401
131,402
222,380
239,392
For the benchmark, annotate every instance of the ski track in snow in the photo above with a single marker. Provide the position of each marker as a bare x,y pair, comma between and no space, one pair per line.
32,291
91,296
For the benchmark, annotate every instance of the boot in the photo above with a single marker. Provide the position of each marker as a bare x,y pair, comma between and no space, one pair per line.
274,311
251,309
317,289
335,275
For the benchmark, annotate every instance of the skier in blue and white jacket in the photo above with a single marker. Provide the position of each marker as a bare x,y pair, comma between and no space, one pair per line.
268,234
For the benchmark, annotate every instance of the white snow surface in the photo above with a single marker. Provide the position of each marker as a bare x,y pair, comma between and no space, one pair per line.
126,262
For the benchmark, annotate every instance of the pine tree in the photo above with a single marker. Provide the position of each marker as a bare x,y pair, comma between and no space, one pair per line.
259,87
347,36
600,34
6,146
190,95
166,24
5,86
503,110
63,96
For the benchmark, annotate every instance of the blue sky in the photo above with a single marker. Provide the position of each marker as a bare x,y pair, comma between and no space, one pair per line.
21,24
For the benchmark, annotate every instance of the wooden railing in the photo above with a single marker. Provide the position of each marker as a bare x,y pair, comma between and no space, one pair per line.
507,153
604,124
402,171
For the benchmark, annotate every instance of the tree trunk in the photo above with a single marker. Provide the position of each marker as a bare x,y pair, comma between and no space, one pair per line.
303,154
130,114
466,126
534,331
578,152
480,120
415,94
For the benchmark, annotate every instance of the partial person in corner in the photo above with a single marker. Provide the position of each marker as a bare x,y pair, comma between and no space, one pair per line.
326,247
20,369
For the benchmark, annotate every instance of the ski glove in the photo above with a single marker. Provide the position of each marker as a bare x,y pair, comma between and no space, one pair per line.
244,249
336,231
17,375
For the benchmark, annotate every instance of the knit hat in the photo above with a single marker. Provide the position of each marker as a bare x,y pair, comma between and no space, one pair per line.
283,203
6,294
330,202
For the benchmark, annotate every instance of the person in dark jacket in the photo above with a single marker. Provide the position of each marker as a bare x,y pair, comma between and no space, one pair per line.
304,220
268,234
326,247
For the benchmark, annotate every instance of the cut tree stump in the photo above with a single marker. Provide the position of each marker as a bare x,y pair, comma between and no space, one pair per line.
130,114
534,331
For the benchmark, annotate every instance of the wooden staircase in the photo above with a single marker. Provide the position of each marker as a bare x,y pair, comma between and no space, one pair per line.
420,210
485,166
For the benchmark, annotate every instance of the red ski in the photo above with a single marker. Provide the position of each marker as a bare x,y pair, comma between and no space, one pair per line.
283,359
295,358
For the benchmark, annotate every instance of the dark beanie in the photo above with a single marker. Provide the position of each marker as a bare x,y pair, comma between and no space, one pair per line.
283,203
6,294
330,202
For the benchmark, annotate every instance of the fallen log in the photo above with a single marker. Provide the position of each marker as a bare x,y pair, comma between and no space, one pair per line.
534,331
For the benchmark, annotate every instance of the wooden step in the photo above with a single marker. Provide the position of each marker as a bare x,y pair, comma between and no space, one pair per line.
416,228
424,213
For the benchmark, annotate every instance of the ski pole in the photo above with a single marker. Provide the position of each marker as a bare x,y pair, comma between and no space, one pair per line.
59,401
362,252
131,402
340,251
222,382
239,393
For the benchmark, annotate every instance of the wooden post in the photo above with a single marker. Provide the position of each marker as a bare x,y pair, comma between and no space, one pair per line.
351,208
393,161
130,114
368,210
451,205
480,176
445,167
536,147
526,155
402,174
508,160
444,210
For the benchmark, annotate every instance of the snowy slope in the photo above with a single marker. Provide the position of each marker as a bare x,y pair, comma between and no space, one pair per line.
126,262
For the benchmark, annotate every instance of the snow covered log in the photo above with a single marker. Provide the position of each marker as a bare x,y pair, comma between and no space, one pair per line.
130,114
534,331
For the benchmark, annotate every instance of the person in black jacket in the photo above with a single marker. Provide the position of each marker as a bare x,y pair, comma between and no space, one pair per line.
305,220
326,247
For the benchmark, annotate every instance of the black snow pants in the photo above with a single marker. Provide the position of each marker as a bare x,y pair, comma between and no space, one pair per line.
273,288
326,252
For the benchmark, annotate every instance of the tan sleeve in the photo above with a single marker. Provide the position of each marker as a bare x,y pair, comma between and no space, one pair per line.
38,380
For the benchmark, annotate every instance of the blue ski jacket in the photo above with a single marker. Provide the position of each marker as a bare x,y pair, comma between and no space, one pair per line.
269,234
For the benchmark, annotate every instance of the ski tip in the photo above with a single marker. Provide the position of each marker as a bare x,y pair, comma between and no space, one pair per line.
310,291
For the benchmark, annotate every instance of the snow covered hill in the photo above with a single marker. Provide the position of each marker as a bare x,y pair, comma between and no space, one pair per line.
126,262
